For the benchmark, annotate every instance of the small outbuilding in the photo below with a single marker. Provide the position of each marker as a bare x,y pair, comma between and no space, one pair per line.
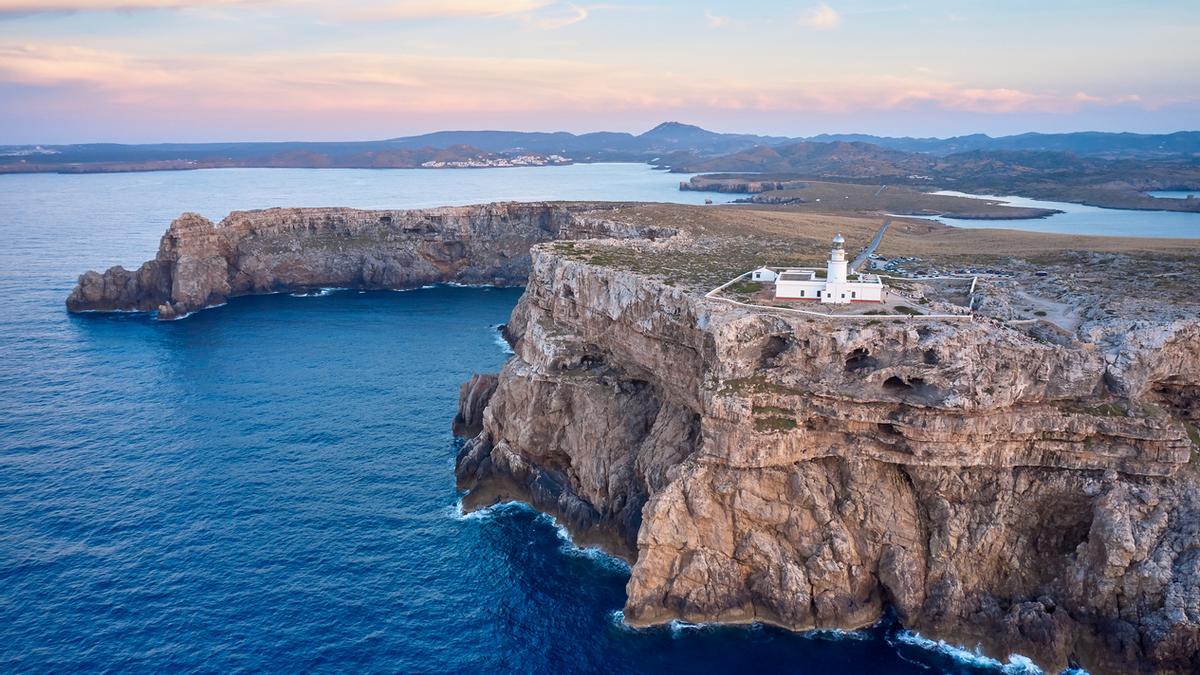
764,274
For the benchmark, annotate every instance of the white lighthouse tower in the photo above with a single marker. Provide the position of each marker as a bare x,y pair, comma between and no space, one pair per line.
836,291
836,270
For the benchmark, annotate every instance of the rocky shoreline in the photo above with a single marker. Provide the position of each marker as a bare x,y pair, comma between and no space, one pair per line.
991,487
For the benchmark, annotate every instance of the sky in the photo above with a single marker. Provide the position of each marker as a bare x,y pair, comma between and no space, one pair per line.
138,71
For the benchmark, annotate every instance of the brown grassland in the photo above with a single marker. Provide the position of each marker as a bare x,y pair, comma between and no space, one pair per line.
723,241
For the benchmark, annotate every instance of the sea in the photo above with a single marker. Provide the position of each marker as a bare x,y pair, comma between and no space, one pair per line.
268,486
1086,220
1175,194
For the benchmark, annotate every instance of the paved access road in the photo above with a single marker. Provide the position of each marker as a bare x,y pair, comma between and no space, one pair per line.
866,252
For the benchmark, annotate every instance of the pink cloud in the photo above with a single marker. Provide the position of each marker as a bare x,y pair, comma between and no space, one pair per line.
352,82
435,9
821,17
715,20
574,15
50,6
358,9
51,65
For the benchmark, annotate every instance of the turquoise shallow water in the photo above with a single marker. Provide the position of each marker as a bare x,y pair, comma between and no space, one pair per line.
268,485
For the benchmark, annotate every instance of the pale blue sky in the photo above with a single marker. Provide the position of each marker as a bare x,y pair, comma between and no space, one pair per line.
154,70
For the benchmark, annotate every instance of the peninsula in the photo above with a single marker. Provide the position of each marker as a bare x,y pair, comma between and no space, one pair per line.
1101,169
1022,476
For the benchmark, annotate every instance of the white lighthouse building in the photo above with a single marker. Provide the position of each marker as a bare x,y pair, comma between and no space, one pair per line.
838,287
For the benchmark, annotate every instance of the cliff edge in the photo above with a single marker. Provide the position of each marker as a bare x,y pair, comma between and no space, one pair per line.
994,485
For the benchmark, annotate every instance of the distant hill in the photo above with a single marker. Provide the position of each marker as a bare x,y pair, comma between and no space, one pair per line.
664,138
839,158
671,144
975,169
1082,143
1119,182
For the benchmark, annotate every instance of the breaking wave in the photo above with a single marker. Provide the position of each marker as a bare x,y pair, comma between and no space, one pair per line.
486,513
569,547
456,284
835,635
315,293
1016,664
498,338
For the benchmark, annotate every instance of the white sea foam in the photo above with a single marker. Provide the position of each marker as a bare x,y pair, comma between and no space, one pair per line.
835,635
498,338
486,513
678,627
618,618
318,293
114,311
1016,664
455,284
187,314
569,547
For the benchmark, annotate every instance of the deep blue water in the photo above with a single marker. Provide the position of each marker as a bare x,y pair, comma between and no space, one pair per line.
268,485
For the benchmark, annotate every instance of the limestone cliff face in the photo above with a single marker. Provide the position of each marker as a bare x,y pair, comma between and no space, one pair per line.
200,264
1031,495
994,489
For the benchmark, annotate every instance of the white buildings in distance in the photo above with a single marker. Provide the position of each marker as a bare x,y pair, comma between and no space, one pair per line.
482,162
838,287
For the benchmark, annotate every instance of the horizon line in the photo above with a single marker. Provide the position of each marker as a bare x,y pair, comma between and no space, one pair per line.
608,131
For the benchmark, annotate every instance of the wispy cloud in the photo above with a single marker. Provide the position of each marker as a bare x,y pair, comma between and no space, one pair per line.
715,20
23,7
366,9
574,14
355,82
821,17
400,10
54,65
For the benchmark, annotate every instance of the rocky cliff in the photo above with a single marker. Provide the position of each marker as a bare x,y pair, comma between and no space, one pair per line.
993,488
996,482
200,264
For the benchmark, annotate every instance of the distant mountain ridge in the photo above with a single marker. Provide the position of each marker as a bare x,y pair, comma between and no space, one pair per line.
1100,143
675,136
666,137
670,144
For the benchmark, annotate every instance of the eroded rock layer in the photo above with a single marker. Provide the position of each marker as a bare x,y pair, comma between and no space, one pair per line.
994,489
